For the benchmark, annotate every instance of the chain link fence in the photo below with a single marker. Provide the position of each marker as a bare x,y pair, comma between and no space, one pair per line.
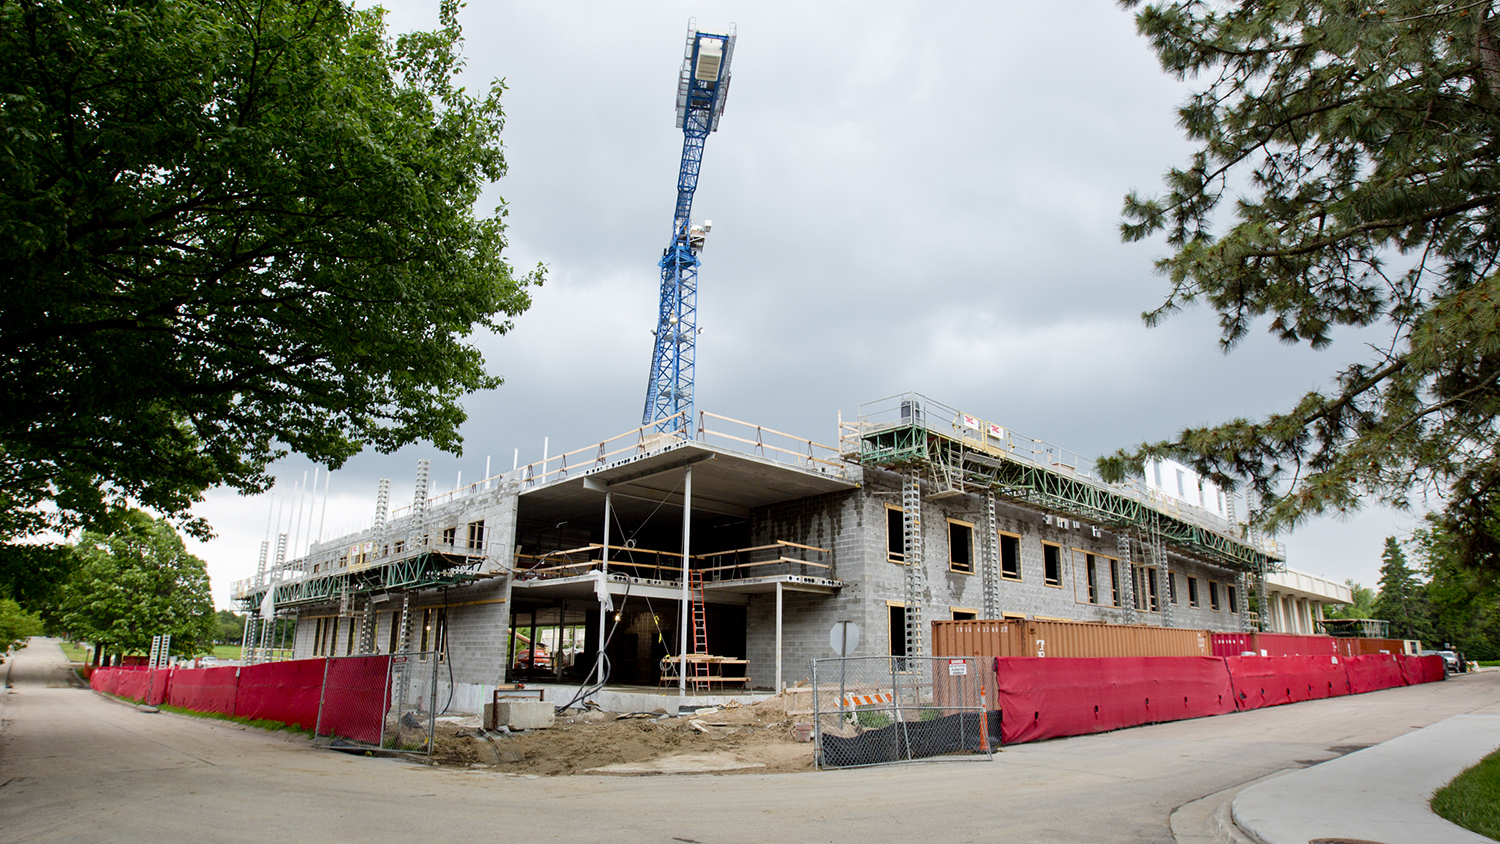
876,710
382,704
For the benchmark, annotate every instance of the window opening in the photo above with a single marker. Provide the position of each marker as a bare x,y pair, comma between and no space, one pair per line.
960,546
1052,564
1213,596
476,535
1010,556
1114,582
1234,604
1192,591
1093,578
896,614
895,534
450,535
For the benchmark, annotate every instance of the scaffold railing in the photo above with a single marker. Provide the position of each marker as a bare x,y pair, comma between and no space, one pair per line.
913,429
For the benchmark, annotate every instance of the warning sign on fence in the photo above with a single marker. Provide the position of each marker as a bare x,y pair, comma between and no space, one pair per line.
958,667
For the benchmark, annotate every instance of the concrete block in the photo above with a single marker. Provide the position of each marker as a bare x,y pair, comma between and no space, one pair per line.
519,715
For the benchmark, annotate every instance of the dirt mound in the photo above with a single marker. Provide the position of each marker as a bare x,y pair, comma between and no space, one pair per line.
759,736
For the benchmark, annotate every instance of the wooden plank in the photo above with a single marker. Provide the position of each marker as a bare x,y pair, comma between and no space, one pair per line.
804,547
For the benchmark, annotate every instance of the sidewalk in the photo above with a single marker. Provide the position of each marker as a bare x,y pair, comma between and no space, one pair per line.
1378,794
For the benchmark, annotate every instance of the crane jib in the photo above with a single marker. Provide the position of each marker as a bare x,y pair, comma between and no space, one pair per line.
703,85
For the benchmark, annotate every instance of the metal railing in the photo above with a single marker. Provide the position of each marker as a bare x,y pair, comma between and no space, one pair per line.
776,558
986,436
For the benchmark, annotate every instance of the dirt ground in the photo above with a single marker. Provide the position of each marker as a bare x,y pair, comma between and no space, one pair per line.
756,738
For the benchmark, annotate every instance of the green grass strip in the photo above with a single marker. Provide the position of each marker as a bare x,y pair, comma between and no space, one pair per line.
257,723
1472,800
74,653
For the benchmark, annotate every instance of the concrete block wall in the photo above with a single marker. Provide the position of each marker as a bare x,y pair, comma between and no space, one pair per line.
478,624
835,521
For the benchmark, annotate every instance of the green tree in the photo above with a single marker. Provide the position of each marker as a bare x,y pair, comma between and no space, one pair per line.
231,628
1356,145
1401,600
136,583
16,626
1363,605
230,230
1463,603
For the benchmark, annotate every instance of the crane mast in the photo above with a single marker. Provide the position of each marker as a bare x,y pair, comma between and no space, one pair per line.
701,90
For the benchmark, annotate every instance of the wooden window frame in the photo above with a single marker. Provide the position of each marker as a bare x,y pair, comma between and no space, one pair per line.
1114,581
1001,536
1087,584
969,613
899,558
968,526
1213,595
1231,594
1194,597
476,536
1047,581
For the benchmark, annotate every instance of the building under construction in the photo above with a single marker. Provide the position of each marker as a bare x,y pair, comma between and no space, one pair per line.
742,547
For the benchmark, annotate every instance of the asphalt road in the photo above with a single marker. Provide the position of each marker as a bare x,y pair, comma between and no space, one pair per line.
77,767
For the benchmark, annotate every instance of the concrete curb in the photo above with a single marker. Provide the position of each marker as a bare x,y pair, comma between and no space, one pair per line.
1378,794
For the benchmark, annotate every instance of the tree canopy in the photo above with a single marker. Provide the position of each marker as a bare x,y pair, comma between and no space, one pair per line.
136,583
1347,174
230,230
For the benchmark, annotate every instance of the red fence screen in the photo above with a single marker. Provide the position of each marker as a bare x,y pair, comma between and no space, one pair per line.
1058,696
1261,681
281,691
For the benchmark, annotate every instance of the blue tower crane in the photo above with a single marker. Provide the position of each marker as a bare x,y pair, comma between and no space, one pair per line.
701,91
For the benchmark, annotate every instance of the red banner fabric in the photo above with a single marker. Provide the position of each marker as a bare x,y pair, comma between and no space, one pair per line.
1049,697
132,685
1232,644
161,680
1261,681
1373,672
204,689
1421,669
281,691
354,698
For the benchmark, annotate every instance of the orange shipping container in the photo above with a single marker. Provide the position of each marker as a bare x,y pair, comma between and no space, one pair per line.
1008,637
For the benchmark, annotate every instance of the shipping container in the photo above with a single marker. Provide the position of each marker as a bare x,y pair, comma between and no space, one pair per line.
1020,637
1381,646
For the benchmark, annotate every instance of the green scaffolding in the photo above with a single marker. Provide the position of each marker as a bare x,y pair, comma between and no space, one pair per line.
910,446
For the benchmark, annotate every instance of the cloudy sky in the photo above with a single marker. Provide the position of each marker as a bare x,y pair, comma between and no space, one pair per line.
904,197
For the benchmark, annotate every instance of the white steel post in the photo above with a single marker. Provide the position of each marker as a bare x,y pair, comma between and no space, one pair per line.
605,568
778,637
687,599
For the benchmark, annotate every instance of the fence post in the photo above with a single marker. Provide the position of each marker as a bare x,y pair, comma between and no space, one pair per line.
322,697
432,712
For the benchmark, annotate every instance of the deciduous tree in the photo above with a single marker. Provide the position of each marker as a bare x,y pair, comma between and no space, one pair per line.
1347,174
136,583
230,230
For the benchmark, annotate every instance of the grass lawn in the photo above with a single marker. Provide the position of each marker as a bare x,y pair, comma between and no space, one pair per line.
75,653
1472,800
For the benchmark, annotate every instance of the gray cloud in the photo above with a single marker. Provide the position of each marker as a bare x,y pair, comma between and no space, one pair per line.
904,197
